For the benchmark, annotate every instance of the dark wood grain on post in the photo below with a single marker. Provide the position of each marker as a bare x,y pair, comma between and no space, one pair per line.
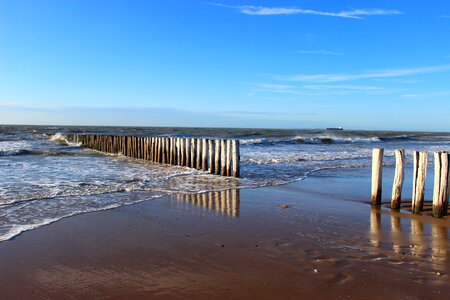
236,158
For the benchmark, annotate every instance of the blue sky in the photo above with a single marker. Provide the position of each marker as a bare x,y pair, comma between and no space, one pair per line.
283,64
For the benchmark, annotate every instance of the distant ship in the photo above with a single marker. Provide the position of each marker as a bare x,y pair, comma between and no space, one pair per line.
335,128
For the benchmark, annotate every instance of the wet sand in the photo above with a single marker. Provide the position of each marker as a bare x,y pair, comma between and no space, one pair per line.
326,244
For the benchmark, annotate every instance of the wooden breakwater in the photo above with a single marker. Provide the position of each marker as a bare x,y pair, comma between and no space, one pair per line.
220,157
441,190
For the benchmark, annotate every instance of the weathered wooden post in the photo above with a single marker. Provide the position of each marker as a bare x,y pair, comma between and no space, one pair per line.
179,151
149,149
182,152
157,148
217,156
399,178
377,175
212,156
228,158
167,150
223,158
193,152
199,154
441,184
204,154
188,152
236,158
163,150
420,174
171,150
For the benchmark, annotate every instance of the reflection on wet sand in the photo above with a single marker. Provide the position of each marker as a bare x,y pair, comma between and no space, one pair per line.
225,202
418,244
425,240
396,233
375,227
439,245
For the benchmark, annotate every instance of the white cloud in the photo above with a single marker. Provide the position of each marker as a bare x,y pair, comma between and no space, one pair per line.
281,87
427,95
268,11
320,52
323,78
344,87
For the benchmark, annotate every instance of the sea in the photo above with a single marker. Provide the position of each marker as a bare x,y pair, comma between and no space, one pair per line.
44,178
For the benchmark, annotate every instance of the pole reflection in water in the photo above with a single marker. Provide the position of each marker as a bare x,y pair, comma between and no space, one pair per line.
226,202
439,245
424,240
375,227
396,233
418,244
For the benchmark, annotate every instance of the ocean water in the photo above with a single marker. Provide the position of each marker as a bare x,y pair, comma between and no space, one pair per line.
43,178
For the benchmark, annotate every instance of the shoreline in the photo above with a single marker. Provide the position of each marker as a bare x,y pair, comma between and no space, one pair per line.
235,244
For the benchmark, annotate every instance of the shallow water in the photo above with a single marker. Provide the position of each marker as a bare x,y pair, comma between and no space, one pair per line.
44,178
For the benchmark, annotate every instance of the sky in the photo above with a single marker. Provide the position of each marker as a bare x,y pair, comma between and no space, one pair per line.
381,65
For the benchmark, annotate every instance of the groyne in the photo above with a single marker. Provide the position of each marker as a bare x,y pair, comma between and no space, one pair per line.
220,157
441,190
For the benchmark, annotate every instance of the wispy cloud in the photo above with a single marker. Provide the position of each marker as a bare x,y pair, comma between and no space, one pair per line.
279,87
323,78
265,115
318,90
427,95
344,87
268,11
319,52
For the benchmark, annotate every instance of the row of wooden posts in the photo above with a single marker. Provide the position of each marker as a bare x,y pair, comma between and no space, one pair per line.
220,157
441,180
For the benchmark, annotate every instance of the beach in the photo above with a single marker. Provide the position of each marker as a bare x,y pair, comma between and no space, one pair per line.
310,239
224,150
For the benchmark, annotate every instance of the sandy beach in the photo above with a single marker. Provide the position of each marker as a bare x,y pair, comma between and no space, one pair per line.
243,244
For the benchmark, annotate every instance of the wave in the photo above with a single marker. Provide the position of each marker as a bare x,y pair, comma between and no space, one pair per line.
327,139
322,139
17,152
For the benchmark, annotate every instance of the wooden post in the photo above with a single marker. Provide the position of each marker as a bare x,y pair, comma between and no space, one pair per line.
167,150
223,158
160,149
199,154
236,158
139,144
204,154
171,149
157,152
212,156
193,152
228,163
441,184
187,158
178,151
217,166
420,174
398,179
163,150
182,151
147,148
377,175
